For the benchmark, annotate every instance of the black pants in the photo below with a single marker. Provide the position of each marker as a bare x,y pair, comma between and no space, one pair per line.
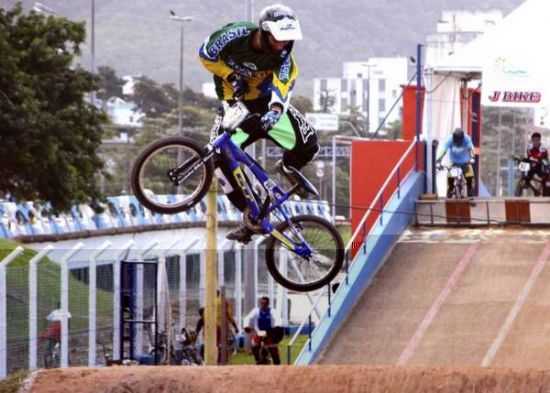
303,150
273,351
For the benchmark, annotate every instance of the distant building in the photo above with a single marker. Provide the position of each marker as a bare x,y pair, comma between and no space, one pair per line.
455,29
129,85
123,113
369,87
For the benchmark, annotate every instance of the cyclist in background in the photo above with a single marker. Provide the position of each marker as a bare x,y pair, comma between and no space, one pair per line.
461,153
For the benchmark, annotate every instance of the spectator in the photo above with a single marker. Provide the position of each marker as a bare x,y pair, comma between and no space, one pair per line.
264,319
198,329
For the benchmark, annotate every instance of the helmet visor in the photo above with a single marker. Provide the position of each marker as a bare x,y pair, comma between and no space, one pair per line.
285,29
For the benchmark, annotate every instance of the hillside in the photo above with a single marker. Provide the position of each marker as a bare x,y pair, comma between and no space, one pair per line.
139,38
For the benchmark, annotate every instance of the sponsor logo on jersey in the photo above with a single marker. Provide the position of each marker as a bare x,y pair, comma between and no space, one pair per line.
284,72
215,47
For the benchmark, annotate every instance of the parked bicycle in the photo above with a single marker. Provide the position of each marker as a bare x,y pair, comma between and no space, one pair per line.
179,166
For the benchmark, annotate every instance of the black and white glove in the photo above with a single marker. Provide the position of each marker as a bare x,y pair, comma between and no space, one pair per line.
270,119
238,84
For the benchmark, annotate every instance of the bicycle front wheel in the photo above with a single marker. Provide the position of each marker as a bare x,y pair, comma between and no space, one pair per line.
171,175
305,273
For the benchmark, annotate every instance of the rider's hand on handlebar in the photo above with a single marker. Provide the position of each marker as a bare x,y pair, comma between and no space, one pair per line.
238,84
271,118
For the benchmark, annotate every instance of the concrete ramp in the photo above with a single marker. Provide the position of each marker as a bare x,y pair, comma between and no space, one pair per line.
262,379
454,297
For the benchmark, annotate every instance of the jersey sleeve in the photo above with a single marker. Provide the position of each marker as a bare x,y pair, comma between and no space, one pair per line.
211,51
283,82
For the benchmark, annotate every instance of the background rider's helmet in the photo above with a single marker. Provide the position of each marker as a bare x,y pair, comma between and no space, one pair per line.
458,136
281,22
536,139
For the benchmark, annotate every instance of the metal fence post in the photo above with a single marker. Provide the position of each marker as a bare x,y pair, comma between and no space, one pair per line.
381,209
398,183
140,279
255,268
92,304
4,311
117,317
283,266
65,303
239,286
33,305
221,262
329,300
182,298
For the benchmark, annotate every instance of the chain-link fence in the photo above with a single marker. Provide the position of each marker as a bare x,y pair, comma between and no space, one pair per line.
64,305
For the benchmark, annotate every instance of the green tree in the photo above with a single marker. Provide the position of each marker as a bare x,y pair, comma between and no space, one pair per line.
49,134
153,99
110,85
302,103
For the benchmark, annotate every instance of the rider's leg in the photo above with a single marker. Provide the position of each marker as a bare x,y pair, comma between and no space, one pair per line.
299,141
450,186
305,146
469,175
274,351
251,133
256,352
470,186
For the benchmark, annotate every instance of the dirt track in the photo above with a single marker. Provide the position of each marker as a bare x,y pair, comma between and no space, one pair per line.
411,304
249,379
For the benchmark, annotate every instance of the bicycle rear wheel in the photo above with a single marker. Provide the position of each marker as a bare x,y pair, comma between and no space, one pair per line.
305,273
171,175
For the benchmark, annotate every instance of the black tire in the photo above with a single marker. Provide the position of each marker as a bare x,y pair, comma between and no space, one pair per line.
139,182
332,261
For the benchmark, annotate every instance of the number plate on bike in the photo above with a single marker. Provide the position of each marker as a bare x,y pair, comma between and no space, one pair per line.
234,115
524,166
456,171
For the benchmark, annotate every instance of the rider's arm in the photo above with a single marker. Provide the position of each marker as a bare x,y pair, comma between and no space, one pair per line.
443,150
283,82
251,320
211,51
470,148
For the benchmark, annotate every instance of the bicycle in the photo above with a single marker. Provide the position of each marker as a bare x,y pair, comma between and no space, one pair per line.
531,180
456,172
181,167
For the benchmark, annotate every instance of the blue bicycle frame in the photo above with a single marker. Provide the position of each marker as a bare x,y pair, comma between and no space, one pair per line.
277,196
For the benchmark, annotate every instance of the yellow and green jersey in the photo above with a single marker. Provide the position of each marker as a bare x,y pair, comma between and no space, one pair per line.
229,50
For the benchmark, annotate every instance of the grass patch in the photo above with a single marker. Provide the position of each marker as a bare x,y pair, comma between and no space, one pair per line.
13,382
49,289
243,358
345,232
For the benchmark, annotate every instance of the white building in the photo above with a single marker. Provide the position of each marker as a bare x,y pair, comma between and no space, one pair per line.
130,84
124,113
455,29
370,87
